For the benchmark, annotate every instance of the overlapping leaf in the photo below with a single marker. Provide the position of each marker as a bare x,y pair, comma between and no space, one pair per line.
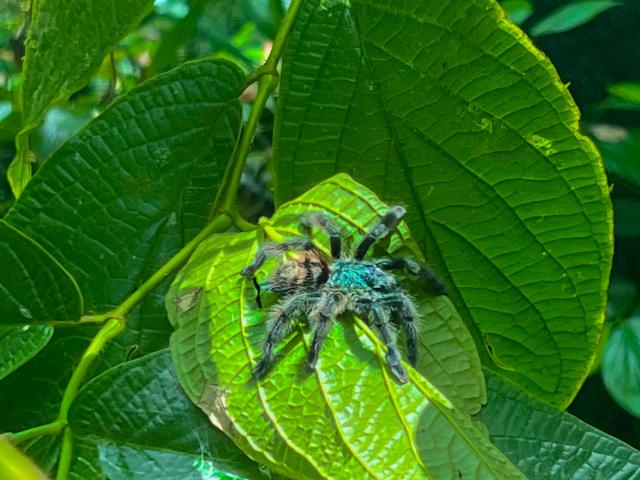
547,443
145,426
66,43
34,287
449,359
19,344
121,196
347,419
449,109
621,364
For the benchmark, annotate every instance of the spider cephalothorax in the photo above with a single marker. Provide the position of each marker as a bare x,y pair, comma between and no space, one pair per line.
320,289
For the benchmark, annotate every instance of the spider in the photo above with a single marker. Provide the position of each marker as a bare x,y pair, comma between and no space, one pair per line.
321,289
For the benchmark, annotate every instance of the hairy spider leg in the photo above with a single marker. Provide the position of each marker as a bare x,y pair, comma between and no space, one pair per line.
324,320
423,272
321,221
407,317
281,324
388,223
274,250
378,316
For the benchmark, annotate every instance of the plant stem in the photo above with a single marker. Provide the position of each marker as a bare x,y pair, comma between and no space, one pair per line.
267,77
282,36
64,464
231,182
219,224
109,331
46,429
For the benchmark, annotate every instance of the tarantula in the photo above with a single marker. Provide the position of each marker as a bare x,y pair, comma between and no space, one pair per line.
321,289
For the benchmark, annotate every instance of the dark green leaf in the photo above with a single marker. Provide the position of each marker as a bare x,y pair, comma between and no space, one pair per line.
627,215
20,344
34,287
86,463
449,109
147,427
348,418
517,10
622,157
133,186
547,443
626,91
621,364
570,16
46,374
66,43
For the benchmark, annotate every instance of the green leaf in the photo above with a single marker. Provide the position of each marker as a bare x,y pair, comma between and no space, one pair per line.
34,286
47,374
134,185
622,157
85,464
52,70
348,419
570,16
14,464
621,364
66,44
627,214
626,91
146,427
447,108
517,10
20,344
547,443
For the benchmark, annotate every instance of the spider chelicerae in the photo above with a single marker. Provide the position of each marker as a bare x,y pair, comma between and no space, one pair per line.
313,286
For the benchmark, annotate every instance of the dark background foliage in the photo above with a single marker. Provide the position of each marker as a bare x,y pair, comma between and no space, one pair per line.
599,57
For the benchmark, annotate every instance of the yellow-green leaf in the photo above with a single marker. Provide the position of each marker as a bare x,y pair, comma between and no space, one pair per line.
348,418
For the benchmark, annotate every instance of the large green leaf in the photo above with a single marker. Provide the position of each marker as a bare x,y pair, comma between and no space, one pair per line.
449,109
20,344
146,427
546,443
123,195
348,419
34,287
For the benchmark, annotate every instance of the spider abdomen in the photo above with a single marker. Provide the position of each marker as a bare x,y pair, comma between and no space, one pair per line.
358,275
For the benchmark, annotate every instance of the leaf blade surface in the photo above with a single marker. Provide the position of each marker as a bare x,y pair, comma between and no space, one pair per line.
450,110
347,419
